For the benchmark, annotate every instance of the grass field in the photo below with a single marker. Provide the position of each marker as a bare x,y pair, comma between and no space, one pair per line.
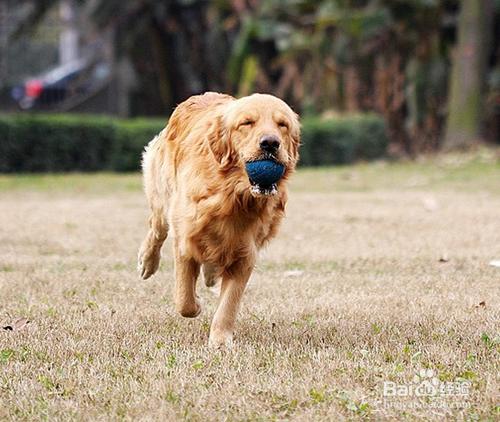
380,270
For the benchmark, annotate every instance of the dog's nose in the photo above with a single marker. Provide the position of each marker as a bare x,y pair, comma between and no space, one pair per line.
269,143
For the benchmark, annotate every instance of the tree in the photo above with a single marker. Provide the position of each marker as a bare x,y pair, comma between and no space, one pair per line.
390,56
468,74
176,47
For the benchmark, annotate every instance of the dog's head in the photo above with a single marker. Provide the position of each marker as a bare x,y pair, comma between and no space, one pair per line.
257,127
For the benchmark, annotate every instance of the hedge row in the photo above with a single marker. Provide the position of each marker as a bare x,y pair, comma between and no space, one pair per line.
342,140
54,143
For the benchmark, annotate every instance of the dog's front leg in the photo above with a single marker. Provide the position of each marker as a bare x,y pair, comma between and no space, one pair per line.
186,273
232,289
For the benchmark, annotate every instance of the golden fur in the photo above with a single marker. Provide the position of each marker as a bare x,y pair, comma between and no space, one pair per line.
198,189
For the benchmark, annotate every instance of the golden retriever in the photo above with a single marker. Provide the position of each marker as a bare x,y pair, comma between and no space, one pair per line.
197,187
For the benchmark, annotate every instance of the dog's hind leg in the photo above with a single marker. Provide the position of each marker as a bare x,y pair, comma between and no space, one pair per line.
210,275
150,251
157,196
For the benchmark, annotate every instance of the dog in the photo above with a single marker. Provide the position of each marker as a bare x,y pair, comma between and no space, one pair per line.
198,189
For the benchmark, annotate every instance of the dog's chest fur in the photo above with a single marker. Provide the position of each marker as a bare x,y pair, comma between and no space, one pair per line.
228,236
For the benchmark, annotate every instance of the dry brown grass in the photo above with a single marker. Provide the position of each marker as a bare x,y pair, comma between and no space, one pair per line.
352,293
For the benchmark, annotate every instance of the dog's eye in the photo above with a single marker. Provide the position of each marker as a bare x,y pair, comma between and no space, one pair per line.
247,122
282,124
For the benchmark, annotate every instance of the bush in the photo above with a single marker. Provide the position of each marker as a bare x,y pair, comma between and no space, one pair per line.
55,143
44,142
132,136
342,140
38,143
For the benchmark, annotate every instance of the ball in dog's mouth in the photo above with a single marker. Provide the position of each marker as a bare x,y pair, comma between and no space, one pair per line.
263,175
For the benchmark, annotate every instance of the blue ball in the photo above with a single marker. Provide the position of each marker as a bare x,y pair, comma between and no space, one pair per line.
265,172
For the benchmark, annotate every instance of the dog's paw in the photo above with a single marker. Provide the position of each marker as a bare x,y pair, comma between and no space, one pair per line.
148,262
220,340
189,310
210,275
210,280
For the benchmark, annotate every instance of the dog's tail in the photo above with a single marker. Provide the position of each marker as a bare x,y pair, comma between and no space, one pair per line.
150,151
156,193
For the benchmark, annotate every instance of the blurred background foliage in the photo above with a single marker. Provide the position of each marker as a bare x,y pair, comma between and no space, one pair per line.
325,57
72,142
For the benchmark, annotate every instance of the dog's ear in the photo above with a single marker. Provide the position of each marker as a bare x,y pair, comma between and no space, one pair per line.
219,143
295,137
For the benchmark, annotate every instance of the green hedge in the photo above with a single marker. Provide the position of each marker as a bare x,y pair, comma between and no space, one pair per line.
131,137
55,143
342,140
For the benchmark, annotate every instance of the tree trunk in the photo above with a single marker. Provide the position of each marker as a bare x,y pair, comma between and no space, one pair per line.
69,38
4,43
468,74
351,89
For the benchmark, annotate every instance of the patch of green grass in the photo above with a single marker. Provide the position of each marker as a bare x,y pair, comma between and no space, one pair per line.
317,395
171,397
84,183
298,265
479,170
198,365
6,355
489,342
